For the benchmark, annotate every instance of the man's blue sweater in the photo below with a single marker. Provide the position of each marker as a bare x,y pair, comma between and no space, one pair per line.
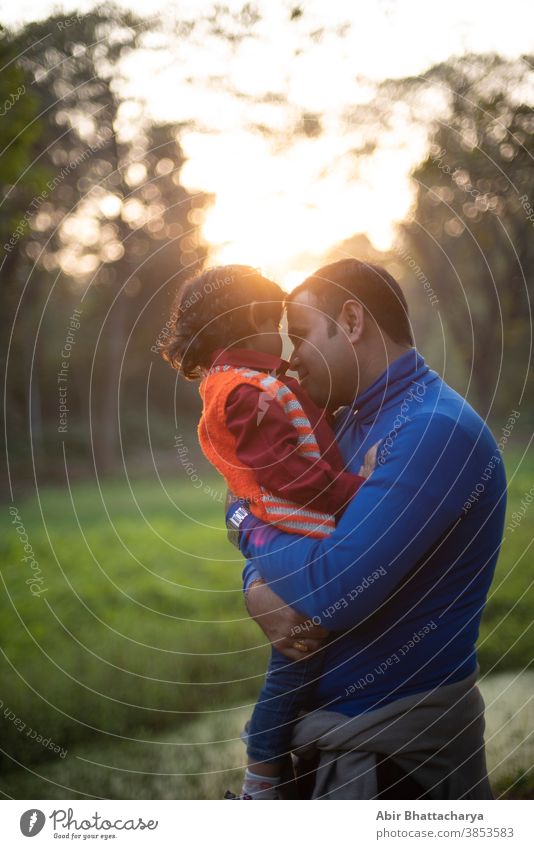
403,580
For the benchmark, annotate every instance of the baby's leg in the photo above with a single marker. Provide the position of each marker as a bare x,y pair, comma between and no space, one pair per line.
287,690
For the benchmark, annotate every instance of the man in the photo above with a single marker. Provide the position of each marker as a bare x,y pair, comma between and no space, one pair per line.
401,584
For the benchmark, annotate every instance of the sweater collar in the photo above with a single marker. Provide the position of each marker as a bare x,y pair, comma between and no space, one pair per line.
247,358
393,383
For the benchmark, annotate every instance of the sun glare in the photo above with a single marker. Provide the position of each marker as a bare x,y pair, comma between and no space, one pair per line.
285,192
283,210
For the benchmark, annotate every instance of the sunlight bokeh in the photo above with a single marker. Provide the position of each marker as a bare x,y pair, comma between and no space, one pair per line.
269,122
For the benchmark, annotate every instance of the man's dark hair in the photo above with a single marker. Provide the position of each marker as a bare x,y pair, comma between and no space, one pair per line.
376,290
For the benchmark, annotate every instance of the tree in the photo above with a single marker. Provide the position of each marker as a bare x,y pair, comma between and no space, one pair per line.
107,217
472,228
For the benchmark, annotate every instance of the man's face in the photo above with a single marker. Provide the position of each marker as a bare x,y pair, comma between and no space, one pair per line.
326,365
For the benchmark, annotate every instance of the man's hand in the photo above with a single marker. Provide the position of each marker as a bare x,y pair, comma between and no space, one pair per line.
288,630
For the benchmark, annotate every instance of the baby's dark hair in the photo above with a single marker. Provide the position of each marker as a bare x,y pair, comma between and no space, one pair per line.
212,311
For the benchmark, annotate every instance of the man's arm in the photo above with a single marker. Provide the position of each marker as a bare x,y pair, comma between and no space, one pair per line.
250,576
412,498
288,630
250,572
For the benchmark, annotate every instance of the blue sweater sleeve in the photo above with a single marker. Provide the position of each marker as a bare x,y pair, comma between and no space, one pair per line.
250,574
414,495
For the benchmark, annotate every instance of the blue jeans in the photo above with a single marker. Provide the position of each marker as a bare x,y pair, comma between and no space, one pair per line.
286,691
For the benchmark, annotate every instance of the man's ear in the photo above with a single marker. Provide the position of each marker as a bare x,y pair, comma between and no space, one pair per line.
352,320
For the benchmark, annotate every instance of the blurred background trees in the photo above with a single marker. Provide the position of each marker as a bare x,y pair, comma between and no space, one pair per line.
93,221
471,231
96,218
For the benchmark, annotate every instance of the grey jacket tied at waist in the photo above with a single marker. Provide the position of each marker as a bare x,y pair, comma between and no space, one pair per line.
437,737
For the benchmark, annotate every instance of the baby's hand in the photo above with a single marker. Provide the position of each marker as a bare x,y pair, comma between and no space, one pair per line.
369,461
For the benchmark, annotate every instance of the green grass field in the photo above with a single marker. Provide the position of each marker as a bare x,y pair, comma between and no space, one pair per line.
138,658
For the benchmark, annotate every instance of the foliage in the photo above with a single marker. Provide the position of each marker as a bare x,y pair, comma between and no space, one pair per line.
143,629
141,621
111,232
472,229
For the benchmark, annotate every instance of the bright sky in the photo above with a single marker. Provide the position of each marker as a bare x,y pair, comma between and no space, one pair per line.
283,199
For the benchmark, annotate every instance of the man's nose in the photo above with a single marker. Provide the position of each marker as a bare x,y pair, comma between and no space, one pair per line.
294,361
